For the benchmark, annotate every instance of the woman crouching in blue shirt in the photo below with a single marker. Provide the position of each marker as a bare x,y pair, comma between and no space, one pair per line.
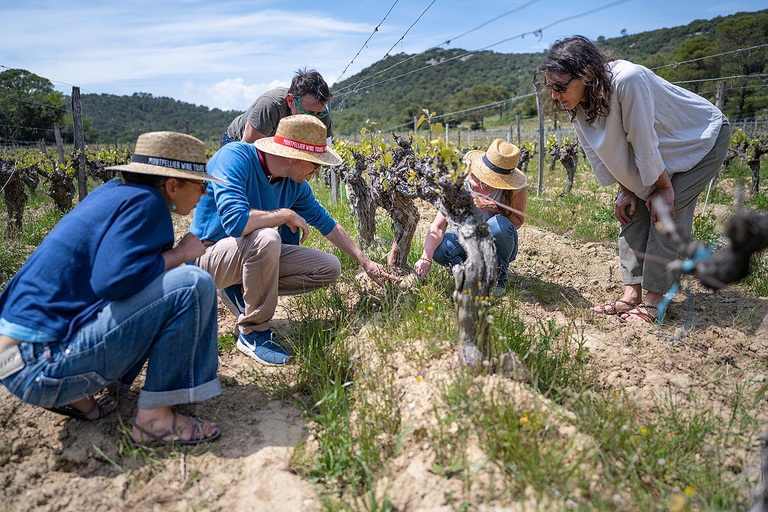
106,291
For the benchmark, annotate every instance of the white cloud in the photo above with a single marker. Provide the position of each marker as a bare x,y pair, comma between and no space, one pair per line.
229,94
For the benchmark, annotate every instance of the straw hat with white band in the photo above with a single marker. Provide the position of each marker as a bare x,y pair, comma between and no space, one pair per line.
171,154
497,167
303,137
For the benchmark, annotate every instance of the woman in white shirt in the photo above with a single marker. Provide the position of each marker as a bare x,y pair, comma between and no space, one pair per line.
654,139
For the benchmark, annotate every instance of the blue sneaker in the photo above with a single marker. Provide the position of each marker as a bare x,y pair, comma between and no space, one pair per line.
232,297
263,347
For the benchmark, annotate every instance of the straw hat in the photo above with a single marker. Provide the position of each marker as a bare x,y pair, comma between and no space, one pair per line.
171,154
300,136
497,167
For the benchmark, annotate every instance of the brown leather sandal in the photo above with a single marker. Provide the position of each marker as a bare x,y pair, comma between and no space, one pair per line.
613,305
101,403
173,436
645,312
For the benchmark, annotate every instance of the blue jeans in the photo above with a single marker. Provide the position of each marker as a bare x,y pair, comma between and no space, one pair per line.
450,252
171,323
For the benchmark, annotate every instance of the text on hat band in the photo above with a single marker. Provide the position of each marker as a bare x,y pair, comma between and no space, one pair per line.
168,162
295,144
496,168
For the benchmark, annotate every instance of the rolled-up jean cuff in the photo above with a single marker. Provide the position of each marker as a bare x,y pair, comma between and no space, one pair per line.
151,399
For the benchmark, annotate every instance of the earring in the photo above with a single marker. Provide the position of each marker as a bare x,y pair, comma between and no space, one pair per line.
173,207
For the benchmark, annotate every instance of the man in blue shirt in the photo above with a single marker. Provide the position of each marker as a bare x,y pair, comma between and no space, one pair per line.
265,188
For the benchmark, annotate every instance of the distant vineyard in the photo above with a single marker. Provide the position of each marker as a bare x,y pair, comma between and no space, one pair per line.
26,168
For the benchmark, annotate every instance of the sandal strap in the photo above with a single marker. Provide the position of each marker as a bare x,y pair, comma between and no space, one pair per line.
177,433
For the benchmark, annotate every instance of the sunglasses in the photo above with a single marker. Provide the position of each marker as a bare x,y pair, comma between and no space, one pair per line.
202,184
558,87
319,115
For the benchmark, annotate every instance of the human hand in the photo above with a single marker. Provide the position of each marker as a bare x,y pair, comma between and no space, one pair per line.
625,199
190,247
295,222
667,197
486,205
422,267
376,272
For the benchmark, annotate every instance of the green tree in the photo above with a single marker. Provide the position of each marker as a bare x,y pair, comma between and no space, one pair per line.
28,106
743,32
694,48
481,94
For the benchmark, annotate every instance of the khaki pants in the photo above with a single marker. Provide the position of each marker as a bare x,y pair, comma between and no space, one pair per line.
642,237
266,268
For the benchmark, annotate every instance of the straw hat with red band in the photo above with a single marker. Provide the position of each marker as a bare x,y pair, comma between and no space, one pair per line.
497,167
171,154
303,137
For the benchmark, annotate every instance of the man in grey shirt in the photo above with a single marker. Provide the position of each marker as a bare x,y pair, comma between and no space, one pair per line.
308,94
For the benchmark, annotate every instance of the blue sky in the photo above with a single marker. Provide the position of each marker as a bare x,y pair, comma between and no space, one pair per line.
225,53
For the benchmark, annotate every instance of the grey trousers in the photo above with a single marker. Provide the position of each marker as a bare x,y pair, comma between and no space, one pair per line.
266,268
639,237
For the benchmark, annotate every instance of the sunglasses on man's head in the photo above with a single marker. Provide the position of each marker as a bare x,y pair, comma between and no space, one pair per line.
319,115
558,87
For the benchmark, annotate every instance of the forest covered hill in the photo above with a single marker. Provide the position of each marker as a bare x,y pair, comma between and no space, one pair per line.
394,90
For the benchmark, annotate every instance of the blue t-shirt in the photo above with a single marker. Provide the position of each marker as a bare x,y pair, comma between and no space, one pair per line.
107,248
225,212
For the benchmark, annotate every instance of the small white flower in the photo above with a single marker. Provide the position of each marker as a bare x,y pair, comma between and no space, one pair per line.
412,405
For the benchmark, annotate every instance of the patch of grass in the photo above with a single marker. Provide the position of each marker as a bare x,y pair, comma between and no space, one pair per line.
706,229
756,283
13,253
583,214
672,453
227,342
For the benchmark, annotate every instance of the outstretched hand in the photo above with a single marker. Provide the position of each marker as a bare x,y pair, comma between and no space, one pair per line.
376,273
422,267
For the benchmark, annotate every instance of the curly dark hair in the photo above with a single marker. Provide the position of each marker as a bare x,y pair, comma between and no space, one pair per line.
579,57
308,81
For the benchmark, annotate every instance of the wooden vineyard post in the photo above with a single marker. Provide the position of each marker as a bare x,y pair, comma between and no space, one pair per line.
334,186
539,108
518,130
59,143
77,120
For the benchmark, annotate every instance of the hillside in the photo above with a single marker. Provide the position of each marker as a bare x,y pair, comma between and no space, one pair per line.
108,117
394,90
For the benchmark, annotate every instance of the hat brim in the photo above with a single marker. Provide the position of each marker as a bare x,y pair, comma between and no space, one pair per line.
512,181
268,145
165,171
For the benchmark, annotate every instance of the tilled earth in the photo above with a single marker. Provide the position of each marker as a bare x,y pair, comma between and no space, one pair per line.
48,462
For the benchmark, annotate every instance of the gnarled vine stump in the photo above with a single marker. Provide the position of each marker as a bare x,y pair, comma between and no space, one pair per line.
392,190
360,198
443,187
15,197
